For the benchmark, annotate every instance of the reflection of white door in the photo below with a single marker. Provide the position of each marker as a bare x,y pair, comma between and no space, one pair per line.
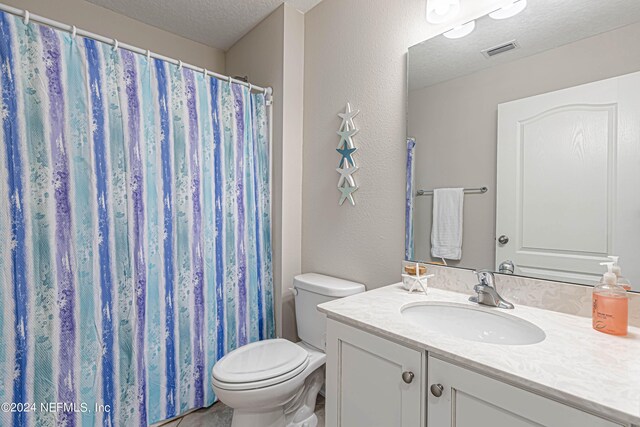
568,181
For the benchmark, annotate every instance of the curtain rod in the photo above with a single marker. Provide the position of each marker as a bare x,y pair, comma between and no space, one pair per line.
77,31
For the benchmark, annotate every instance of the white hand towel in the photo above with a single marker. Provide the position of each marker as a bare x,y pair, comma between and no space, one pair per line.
446,231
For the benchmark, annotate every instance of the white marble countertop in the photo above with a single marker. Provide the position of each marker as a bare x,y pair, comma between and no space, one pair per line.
574,363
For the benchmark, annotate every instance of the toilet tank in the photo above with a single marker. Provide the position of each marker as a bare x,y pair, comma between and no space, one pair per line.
310,290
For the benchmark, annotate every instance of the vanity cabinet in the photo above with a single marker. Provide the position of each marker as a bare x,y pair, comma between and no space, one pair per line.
376,382
459,397
371,381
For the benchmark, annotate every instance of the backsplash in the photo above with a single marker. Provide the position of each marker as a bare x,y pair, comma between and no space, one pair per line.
556,296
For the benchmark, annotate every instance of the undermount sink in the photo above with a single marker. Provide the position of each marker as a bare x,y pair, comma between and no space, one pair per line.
486,325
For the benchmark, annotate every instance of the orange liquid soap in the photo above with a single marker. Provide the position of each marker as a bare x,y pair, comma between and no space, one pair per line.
610,306
610,313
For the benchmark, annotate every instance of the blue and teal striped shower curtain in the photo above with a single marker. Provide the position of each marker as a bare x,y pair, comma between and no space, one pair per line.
134,228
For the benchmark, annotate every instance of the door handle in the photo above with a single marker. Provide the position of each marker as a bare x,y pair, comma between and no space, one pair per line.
503,240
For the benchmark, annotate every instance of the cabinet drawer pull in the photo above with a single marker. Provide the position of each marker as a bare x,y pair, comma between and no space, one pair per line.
436,389
407,377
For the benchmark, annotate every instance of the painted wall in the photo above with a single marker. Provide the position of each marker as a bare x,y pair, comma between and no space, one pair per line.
272,54
355,50
107,23
455,122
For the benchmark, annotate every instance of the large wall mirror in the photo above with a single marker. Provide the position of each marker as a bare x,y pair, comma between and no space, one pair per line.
543,110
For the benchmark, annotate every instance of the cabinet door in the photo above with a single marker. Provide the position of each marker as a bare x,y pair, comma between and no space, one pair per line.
365,385
470,399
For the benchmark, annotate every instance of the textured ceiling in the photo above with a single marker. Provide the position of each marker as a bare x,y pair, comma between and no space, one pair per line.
217,23
543,25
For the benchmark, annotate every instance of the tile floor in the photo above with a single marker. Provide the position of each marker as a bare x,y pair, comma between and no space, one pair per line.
219,415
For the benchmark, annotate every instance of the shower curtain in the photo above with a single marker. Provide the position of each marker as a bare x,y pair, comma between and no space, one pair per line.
409,199
134,228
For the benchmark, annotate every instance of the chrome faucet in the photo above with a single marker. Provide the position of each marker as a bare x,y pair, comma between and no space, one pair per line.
486,290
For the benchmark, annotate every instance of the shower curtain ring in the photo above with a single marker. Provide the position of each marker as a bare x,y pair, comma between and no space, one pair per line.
229,79
26,17
179,65
250,87
148,55
115,44
205,72
73,32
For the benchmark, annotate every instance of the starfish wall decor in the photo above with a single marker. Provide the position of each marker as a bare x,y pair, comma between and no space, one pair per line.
347,166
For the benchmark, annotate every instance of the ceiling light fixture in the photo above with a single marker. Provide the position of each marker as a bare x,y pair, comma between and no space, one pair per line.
512,9
439,11
461,30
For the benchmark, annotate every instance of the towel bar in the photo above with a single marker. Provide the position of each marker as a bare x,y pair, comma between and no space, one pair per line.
479,190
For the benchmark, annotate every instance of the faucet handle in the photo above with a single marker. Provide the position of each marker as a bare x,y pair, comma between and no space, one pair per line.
485,277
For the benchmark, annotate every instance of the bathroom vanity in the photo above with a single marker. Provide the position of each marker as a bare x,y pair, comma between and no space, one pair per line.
385,368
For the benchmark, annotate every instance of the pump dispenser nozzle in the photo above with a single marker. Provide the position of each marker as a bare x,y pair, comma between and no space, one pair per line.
618,272
609,277
616,268
609,265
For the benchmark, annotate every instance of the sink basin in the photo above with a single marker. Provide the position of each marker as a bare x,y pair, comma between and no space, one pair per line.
488,325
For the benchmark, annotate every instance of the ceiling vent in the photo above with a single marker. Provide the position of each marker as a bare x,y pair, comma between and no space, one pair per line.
501,48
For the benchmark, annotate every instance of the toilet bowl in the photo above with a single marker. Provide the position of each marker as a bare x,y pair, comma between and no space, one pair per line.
275,382
271,401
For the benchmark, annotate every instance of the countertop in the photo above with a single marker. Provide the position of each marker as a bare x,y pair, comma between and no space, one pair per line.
574,363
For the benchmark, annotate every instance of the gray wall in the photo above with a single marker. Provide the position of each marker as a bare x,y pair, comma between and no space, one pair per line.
454,124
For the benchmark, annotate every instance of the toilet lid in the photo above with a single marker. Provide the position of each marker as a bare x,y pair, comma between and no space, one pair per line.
260,361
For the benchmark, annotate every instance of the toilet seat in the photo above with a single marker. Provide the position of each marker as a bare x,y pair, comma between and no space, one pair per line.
260,364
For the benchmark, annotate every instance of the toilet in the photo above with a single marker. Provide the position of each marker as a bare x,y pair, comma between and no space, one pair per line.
275,382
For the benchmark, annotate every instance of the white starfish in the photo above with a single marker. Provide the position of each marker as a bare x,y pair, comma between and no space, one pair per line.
345,174
346,194
347,118
345,136
417,280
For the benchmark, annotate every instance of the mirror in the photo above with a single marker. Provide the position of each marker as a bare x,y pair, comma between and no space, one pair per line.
542,109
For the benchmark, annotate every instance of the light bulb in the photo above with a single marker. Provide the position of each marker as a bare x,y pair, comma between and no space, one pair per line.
509,10
439,11
461,30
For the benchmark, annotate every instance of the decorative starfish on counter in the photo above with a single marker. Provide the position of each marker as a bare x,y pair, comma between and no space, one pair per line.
416,284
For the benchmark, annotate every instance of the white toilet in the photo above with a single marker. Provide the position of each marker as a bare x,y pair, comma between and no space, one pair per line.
274,383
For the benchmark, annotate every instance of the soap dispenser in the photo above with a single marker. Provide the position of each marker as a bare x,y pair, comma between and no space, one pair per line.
610,305
618,272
